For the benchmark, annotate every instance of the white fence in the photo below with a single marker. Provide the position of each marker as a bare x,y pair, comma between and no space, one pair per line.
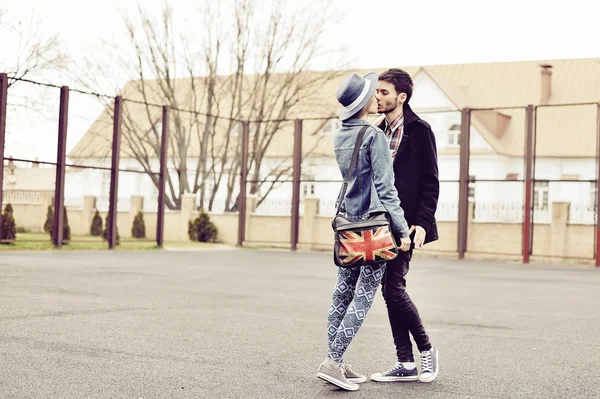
123,204
150,204
327,207
484,212
495,212
218,205
277,207
22,196
491,212
447,212
508,212
582,214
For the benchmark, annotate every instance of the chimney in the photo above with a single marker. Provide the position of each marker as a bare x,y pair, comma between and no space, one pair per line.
546,83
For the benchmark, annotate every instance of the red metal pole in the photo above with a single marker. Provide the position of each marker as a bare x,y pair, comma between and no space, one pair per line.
59,187
3,99
297,164
114,174
463,183
243,177
162,177
529,149
598,186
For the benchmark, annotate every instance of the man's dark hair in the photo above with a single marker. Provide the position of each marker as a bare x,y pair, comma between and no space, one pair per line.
400,79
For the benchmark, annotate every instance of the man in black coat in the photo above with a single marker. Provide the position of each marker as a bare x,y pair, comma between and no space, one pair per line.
414,151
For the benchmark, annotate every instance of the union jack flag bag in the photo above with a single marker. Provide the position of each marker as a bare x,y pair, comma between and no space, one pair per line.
364,242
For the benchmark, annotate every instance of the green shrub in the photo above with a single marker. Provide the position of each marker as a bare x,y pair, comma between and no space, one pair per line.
105,232
49,220
138,230
96,228
66,229
202,229
8,228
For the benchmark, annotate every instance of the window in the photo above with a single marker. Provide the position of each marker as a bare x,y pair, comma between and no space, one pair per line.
540,195
331,126
308,188
593,192
454,136
472,187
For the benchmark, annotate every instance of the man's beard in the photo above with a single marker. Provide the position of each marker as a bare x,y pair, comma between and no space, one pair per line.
389,107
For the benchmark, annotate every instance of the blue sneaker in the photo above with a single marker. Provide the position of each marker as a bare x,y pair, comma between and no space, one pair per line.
398,373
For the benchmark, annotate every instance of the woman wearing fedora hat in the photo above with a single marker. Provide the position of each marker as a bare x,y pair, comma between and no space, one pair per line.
370,189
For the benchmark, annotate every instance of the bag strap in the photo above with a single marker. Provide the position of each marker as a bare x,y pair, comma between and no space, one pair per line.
357,145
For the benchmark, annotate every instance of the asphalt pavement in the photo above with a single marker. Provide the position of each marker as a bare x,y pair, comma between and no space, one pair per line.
252,324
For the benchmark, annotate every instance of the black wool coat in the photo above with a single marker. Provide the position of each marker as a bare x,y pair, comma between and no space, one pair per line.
416,174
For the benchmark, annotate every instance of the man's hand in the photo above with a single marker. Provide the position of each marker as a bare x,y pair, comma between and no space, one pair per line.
405,243
419,236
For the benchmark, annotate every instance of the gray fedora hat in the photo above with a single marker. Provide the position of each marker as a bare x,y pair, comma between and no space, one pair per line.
356,92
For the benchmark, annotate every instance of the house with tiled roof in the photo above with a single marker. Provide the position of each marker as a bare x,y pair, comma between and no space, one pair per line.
566,93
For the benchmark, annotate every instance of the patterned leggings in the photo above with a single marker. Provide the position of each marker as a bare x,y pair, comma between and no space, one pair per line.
359,283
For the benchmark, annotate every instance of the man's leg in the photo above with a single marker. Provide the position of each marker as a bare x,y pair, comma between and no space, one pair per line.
405,314
402,312
404,319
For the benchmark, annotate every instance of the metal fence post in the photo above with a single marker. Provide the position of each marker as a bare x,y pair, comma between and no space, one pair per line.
243,178
297,165
528,195
463,183
598,186
3,100
114,174
59,187
162,177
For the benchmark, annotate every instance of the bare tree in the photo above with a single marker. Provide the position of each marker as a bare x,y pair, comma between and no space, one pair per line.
275,96
155,80
24,51
254,68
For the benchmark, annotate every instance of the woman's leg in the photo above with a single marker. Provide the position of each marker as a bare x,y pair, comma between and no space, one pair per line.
368,282
342,297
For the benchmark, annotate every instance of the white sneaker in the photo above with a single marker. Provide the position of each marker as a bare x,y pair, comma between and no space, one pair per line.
335,374
429,365
353,376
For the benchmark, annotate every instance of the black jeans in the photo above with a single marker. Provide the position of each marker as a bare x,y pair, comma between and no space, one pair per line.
402,312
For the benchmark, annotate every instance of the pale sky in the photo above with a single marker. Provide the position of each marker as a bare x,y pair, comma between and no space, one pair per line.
429,31
374,33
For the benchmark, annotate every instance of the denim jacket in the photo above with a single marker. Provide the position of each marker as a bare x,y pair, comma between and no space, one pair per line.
371,186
